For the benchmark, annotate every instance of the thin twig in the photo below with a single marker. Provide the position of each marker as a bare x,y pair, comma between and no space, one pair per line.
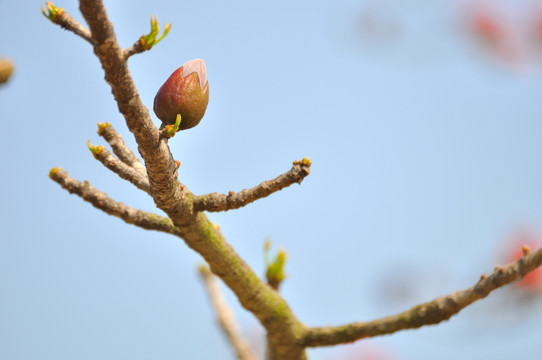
123,152
429,313
221,202
121,169
66,21
225,317
100,200
136,48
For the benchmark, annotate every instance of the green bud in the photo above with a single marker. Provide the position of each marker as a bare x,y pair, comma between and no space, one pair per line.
275,270
149,40
52,12
185,92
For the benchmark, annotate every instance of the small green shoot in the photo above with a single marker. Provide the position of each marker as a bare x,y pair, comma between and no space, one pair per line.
52,12
95,149
275,269
149,40
171,130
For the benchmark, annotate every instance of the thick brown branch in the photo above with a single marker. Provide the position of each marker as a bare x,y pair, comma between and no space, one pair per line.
221,202
103,202
121,169
123,152
225,317
284,330
429,313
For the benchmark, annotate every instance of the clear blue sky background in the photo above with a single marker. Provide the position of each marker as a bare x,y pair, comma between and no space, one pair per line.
425,155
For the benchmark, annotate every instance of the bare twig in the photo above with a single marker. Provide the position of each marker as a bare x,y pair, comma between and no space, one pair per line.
221,202
67,22
136,48
121,169
225,317
103,202
123,152
429,313
60,17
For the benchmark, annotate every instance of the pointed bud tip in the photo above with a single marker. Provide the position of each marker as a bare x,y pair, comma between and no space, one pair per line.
196,66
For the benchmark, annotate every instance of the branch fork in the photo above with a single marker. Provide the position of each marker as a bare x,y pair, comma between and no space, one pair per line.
287,337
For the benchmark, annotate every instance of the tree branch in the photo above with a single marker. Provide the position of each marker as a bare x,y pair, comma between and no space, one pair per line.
221,202
287,337
101,201
123,152
60,17
67,22
429,313
284,330
225,317
121,169
168,193
136,48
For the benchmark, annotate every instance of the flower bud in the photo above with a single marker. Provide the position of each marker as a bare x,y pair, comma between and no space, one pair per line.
185,92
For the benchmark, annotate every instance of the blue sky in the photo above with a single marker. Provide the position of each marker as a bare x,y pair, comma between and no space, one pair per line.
425,152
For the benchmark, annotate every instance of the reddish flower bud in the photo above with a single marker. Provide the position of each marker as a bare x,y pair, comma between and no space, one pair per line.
185,92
